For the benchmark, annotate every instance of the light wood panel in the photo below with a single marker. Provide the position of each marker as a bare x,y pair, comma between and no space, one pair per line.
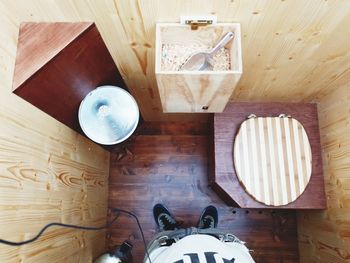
38,43
325,236
292,50
196,92
48,173
204,91
272,158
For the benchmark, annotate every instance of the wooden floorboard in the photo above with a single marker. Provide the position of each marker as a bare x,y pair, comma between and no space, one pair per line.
168,164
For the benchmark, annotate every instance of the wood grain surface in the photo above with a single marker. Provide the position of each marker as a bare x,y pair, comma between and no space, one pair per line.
167,163
48,173
38,43
204,91
324,236
222,174
292,50
196,92
58,83
272,159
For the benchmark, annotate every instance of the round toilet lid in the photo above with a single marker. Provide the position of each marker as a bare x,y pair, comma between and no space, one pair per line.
272,158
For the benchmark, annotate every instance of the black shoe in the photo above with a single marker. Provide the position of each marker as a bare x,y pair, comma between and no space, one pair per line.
208,218
164,219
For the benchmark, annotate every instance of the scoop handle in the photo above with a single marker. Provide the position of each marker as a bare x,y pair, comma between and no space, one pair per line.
227,38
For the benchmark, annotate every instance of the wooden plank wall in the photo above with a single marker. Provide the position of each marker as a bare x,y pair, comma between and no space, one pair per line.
292,50
325,236
48,173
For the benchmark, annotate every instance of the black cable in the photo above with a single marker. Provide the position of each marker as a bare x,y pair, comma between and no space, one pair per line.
138,223
12,243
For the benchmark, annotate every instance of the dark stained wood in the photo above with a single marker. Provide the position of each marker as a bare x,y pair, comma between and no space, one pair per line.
58,86
175,128
172,169
39,42
222,175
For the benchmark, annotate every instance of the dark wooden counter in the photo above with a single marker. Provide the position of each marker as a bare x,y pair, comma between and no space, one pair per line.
222,175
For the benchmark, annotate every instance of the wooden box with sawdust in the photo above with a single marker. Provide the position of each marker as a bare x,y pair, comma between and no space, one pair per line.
206,89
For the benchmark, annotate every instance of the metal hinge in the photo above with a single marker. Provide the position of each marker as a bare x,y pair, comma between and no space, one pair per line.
197,21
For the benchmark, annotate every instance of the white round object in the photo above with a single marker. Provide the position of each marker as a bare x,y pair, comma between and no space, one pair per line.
108,115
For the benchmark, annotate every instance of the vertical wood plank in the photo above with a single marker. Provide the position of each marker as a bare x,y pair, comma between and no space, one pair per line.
301,174
281,162
276,193
288,143
324,236
255,172
48,173
263,161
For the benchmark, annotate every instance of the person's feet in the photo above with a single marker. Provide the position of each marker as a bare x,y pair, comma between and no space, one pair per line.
208,218
164,219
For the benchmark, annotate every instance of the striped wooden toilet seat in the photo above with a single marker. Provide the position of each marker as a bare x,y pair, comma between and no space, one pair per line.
272,158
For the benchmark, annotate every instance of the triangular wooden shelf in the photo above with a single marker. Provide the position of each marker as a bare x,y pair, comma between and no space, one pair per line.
58,64
38,43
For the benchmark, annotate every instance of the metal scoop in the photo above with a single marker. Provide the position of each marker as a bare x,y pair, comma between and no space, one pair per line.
202,60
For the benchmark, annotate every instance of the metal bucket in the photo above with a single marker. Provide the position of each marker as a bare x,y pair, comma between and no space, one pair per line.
108,115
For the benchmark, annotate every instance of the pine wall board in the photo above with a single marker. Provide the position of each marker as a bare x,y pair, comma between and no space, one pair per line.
292,50
48,173
325,236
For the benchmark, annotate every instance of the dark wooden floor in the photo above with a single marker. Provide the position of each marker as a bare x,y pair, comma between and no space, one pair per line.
167,163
